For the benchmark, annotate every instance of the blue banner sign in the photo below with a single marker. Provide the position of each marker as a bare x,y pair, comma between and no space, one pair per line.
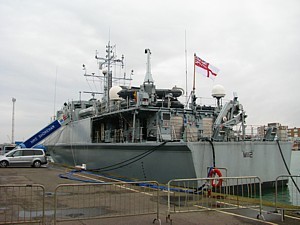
41,134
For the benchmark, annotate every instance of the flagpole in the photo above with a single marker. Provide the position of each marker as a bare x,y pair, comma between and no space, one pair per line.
194,73
193,92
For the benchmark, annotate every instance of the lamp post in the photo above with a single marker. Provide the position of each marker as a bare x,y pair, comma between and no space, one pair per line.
13,122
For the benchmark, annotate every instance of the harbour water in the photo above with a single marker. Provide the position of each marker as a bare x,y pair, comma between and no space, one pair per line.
295,167
289,194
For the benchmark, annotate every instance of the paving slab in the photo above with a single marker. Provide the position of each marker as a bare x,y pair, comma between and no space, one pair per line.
48,176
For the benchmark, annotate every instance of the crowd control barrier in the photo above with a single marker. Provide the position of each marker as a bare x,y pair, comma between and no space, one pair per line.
22,204
105,200
287,197
217,193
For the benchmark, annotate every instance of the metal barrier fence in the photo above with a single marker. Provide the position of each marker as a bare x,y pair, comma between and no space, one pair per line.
105,200
219,193
26,203
22,204
287,197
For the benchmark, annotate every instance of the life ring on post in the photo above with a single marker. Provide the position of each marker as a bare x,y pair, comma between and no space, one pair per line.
213,173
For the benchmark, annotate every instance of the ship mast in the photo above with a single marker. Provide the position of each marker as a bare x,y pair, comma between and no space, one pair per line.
148,86
148,76
109,59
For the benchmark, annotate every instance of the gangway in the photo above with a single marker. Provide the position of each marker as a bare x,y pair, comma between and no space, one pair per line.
42,134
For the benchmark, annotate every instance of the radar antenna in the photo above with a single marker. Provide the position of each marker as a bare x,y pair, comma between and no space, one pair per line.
109,59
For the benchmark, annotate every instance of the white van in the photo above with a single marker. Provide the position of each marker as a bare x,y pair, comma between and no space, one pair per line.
4,148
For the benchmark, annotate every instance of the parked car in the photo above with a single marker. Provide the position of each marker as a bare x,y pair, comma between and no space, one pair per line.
24,157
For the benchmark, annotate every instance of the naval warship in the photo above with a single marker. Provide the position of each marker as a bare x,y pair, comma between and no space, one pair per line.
146,133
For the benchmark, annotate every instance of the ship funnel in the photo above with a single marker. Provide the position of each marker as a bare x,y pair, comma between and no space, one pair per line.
148,76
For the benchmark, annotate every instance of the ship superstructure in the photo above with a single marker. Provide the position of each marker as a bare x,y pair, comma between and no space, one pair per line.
147,133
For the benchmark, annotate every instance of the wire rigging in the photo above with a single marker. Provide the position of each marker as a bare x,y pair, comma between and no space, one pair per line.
213,151
128,161
287,168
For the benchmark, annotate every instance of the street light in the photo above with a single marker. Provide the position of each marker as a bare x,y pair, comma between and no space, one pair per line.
13,122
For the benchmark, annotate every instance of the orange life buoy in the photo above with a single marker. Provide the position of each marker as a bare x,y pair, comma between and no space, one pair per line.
213,173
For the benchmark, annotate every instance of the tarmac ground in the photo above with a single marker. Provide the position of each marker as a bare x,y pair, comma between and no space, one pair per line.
48,176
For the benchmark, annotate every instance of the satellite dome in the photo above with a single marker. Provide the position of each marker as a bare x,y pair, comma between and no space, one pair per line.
113,93
218,91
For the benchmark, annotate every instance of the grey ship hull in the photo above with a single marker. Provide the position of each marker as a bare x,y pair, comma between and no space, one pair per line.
172,160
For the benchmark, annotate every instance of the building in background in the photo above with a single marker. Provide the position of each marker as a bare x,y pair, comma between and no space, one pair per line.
294,135
282,131
273,130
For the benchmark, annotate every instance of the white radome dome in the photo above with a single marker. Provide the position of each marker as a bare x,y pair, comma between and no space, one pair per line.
113,93
104,71
218,91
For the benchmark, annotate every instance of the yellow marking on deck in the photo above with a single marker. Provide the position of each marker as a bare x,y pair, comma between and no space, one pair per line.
121,182
234,214
246,217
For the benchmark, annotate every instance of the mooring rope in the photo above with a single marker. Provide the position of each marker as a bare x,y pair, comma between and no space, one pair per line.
287,168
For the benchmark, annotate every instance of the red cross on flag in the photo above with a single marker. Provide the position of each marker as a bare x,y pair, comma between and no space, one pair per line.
205,68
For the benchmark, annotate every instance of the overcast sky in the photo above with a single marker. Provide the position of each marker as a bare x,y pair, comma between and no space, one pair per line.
43,44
